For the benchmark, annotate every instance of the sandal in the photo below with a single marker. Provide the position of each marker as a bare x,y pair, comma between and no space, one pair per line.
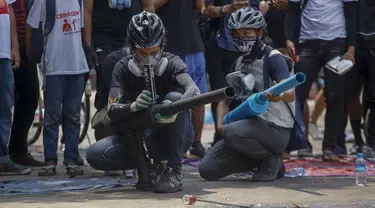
329,156
49,170
73,170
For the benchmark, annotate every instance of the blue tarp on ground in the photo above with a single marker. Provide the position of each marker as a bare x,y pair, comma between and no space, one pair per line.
56,185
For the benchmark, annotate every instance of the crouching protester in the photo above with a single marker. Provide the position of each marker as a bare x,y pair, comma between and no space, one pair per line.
255,143
129,102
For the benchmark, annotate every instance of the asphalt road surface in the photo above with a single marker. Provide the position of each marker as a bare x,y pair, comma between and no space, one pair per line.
316,192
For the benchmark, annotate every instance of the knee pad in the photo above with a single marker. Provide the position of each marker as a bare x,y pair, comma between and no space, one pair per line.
173,96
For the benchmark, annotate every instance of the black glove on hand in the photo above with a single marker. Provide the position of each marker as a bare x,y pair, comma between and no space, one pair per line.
91,57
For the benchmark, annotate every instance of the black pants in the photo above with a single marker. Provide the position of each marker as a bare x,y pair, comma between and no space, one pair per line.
26,103
313,55
246,143
168,142
365,66
218,62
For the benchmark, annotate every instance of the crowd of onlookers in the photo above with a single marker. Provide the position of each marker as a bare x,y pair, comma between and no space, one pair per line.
312,32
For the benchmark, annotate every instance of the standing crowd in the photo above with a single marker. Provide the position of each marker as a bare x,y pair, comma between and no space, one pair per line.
194,46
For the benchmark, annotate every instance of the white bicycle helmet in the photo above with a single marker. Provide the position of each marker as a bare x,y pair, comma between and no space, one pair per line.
246,18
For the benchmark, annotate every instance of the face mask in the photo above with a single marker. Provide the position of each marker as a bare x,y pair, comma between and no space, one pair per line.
148,60
157,62
244,45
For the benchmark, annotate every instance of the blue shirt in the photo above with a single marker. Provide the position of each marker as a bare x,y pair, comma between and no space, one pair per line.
224,37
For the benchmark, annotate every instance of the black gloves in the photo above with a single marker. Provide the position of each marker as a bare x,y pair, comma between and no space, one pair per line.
91,57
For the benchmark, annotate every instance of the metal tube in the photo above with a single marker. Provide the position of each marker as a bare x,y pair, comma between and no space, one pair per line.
146,119
203,99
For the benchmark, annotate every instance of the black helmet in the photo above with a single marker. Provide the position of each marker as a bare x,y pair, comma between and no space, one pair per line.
246,18
146,30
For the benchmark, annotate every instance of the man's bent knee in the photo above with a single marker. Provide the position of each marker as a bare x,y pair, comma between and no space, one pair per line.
173,96
206,172
110,153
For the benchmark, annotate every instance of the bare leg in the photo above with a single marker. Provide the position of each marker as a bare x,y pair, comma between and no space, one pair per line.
198,121
320,105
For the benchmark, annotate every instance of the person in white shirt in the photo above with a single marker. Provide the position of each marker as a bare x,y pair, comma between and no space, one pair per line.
65,68
9,59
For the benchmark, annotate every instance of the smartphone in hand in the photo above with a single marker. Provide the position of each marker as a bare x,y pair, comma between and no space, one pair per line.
339,65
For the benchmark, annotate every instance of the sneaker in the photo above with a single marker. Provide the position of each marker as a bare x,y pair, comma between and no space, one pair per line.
170,181
269,169
369,153
12,168
314,132
197,149
306,152
355,150
26,160
156,171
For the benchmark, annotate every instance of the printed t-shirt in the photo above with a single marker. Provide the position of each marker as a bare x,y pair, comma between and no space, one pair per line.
5,41
63,53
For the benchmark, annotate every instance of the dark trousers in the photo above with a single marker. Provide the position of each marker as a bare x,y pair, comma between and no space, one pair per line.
218,63
314,54
365,66
168,142
246,143
26,103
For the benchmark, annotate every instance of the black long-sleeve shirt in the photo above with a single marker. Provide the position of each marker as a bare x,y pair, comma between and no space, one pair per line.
366,24
126,87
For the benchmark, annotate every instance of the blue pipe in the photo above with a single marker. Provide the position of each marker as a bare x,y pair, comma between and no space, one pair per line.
258,103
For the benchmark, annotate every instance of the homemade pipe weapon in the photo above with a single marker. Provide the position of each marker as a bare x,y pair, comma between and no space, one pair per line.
258,103
146,118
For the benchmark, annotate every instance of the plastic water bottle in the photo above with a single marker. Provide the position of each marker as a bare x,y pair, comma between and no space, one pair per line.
360,169
295,172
